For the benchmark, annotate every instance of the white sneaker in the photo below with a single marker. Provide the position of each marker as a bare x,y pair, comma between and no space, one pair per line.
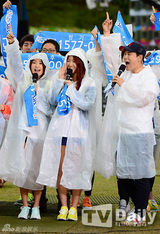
124,208
24,214
134,219
35,213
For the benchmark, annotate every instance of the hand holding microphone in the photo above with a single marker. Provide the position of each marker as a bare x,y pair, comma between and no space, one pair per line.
117,79
69,75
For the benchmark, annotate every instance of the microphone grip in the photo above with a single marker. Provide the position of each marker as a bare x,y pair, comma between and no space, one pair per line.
114,83
68,77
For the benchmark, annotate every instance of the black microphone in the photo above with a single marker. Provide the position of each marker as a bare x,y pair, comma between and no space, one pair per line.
120,71
35,77
69,74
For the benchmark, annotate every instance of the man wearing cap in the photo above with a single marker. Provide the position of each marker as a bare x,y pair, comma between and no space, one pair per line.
127,139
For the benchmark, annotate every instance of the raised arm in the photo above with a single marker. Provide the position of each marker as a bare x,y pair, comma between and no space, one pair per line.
95,58
107,25
7,4
14,69
152,17
110,46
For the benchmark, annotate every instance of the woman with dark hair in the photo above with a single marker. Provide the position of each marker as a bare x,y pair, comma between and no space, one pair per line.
67,160
21,151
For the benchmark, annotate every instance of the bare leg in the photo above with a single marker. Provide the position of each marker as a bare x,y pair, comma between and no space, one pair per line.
24,195
61,189
37,197
151,197
75,196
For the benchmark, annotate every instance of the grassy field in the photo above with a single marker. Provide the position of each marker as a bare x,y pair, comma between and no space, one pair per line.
103,190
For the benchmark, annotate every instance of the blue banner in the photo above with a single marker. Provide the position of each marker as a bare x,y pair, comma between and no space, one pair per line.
30,103
55,61
121,28
157,22
2,72
67,41
64,103
10,18
153,59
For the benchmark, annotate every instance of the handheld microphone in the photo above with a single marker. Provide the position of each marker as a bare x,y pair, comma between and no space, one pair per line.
69,74
35,77
120,71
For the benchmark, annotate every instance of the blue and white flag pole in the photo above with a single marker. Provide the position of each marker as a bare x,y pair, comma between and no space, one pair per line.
153,59
157,22
121,28
10,18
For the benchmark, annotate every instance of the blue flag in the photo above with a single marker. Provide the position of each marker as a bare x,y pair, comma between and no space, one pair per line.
64,103
157,22
30,103
67,41
153,59
2,71
10,17
121,28
55,61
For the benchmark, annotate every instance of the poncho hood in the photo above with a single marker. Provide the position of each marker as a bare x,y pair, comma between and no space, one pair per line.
44,58
80,54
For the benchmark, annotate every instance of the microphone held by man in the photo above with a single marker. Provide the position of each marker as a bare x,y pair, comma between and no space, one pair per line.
117,78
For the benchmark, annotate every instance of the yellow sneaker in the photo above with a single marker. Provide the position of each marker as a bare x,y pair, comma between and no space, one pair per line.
152,205
63,213
72,215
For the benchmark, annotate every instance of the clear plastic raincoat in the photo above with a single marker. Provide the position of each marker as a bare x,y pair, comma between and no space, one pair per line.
127,127
19,164
79,126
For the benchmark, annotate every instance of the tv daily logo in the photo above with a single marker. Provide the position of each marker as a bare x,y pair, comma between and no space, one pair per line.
102,216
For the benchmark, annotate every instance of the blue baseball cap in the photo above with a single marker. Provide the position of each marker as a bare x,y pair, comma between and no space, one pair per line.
134,47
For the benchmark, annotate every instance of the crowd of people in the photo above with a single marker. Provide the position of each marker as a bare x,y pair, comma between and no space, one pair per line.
63,148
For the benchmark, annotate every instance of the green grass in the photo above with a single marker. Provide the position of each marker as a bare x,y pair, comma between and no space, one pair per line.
48,224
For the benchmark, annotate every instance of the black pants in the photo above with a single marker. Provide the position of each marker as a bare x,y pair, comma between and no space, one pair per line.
43,196
138,190
88,193
151,183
